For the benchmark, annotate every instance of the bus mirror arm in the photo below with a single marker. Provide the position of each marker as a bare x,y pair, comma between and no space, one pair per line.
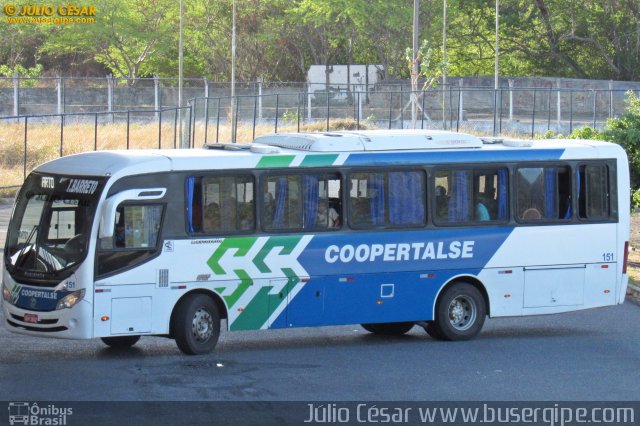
108,212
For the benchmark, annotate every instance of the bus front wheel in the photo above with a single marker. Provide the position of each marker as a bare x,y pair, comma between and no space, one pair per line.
389,328
196,325
120,341
460,313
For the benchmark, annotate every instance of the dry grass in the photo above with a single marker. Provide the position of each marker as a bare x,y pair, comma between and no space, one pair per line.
44,140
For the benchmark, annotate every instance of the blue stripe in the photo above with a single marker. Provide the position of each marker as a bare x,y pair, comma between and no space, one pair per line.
415,274
452,156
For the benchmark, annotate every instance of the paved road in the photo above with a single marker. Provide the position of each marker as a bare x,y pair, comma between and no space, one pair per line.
590,355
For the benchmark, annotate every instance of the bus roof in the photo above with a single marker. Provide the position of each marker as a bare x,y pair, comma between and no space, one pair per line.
332,148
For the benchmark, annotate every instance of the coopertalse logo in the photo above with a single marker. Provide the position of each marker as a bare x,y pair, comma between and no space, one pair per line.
398,252
27,413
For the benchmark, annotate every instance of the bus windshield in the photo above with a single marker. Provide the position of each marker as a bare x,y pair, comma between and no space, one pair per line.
49,231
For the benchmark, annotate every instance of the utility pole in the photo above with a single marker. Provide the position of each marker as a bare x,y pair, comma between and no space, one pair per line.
180,72
416,66
233,75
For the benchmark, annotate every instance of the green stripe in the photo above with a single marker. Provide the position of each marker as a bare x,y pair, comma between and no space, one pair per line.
319,160
275,161
240,290
242,244
288,244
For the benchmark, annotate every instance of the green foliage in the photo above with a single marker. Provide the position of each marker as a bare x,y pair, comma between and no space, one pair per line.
428,69
625,131
32,72
280,39
125,35
290,117
635,198
585,133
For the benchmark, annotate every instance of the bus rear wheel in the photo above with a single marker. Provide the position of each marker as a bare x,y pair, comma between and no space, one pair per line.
389,328
196,324
460,313
120,341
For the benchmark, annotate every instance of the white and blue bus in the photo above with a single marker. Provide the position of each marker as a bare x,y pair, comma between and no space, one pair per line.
387,229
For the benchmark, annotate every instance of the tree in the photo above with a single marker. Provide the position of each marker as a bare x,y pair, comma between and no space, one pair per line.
125,35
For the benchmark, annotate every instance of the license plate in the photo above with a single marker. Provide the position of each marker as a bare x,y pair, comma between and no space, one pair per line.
33,318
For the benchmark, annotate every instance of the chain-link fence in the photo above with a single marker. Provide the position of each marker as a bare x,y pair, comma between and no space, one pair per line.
519,112
27,141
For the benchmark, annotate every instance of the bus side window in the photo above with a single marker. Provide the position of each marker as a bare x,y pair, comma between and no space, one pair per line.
220,204
388,199
543,193
593,192
310,201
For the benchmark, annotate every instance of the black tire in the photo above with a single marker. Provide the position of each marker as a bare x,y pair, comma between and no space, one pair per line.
389,328
460,313
196,324
120,341
433,331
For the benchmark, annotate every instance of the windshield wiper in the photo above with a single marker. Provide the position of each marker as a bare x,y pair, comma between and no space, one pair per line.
20,259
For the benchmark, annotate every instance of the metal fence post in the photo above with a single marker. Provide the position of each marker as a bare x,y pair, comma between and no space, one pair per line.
298,112
24,162
259,102
390,106
156,94
255,107
128,123
459,109
309,103
549,109
359,110
110,93
610,99
500,109
594,108
558,107
570,111
533,114
95,132
277,112
61,132
422,115
59,93
175,127
328,111
510,99
235,123
460,103
16,94
401,106
218,122
160,129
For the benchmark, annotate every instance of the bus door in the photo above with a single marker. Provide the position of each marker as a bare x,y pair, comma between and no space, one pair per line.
295,302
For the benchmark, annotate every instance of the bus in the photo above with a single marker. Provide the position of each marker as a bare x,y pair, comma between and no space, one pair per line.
387,229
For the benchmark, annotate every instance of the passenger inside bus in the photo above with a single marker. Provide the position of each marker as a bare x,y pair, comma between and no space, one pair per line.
212,218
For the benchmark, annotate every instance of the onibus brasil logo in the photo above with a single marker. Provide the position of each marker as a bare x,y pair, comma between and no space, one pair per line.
27,413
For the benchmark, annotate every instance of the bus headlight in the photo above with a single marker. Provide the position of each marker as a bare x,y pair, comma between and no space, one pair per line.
6,294
70,300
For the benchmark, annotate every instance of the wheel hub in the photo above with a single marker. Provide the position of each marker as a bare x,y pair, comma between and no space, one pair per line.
202,325
462,312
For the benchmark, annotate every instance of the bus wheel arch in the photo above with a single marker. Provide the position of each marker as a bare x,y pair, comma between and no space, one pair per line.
195,321
460,310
